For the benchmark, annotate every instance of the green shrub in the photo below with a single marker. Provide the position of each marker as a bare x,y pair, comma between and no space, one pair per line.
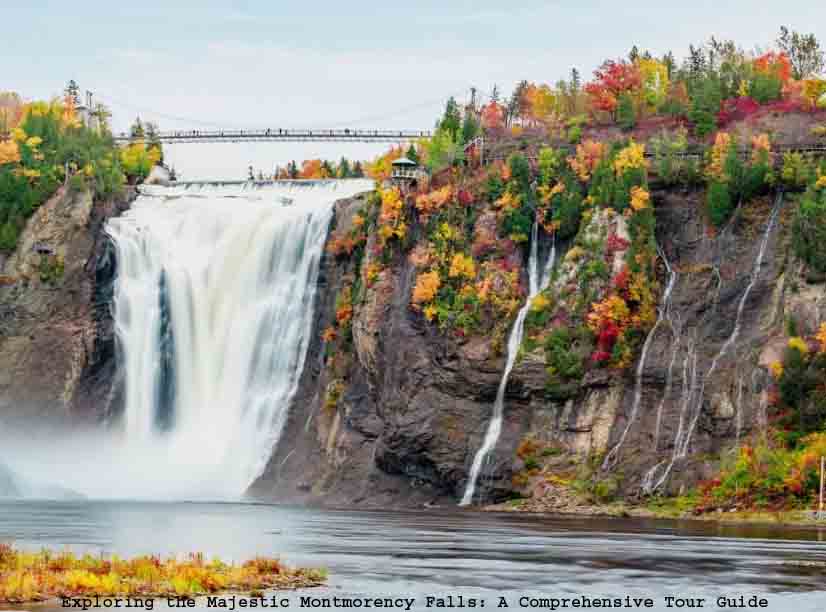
626,116
809,229
718,203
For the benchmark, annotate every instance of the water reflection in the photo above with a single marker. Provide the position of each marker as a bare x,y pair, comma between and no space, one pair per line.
475,554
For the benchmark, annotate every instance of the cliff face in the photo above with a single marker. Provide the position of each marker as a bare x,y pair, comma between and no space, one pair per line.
56,342
396,414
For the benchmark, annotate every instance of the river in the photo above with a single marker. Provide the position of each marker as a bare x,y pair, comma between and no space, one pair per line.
444,551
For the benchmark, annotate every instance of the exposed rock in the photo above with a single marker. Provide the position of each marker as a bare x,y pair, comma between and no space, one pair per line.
53,317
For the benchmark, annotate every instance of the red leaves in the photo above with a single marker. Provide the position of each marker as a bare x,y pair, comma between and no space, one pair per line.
615,243
736,109
620,281
612,79
465,197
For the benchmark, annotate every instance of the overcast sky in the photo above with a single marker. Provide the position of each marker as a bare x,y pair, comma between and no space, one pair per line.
201,64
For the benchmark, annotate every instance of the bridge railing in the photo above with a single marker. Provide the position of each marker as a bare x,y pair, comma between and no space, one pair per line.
270,134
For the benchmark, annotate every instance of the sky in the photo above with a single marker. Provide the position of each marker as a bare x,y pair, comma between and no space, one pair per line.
269,63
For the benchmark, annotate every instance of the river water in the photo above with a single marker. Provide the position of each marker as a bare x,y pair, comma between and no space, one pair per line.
444,552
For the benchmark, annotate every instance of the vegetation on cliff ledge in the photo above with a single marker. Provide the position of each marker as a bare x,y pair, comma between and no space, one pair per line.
28,577
44,145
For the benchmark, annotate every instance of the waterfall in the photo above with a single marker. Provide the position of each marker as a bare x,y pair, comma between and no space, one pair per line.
692,393
664,312
536,284
213,311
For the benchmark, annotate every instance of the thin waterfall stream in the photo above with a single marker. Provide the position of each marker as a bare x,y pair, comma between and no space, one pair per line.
694,391
536,283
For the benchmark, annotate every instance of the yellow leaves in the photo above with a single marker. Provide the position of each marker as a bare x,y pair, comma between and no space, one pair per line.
575,254
390,217
30,577
329,334
508,202
371,273
613,308
18,135
821,182
34,142
799,344
427,286
540,303
447,233
776,368
588,156
631,157
716,167
462,266
639,198
9,152
430,312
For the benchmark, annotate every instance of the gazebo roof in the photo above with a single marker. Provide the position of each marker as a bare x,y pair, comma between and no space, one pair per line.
403,161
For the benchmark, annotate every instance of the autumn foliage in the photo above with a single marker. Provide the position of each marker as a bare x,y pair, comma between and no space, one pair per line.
30,577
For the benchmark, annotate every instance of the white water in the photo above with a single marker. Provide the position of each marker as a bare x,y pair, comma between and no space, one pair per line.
239,265
664,311
693,395
536,284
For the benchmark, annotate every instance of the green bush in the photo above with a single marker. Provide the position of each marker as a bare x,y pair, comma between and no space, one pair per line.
718,203
626,116
809,229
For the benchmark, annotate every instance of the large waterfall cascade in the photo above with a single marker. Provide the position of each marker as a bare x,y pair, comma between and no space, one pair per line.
537,283
213,311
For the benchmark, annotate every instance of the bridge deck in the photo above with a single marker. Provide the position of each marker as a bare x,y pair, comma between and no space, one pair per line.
286,135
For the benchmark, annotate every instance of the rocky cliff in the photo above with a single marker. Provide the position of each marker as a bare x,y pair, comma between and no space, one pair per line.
391,410
56,338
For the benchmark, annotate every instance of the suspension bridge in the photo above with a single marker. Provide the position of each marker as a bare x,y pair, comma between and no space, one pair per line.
285,135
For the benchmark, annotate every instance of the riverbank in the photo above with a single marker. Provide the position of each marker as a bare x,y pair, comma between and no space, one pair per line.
561,500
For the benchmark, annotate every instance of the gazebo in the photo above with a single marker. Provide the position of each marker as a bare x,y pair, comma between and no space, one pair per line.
406,170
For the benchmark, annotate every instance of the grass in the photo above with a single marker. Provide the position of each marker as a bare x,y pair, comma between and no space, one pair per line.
29,577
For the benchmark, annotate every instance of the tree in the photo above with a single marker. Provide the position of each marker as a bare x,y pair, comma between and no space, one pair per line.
137,131
634,54
517,105
292,170
72,92
626,117
102,114
452,119
358,171
804,52
494,96
670,63
611,80
493,116
344,168
412,154
470,128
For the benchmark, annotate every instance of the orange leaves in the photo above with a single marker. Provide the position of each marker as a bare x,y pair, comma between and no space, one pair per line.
9,152
493,116
329,334
382,167
612,309
612,79
429,203
312,169
462,266
760,146
639,198
427,286
774,64
391,218
588,156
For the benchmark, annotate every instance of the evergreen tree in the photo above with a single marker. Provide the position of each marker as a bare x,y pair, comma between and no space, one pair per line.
137,131
470,128
452,120
494,96
292,170
412,154
626,117
344,168
634,54
358,171
327,169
